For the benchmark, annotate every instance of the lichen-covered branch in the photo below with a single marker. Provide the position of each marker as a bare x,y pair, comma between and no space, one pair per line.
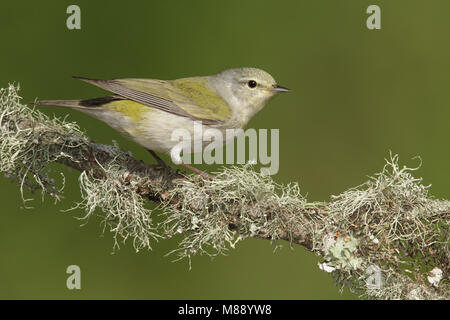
386,239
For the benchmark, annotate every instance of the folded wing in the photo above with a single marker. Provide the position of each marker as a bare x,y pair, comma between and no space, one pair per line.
191,97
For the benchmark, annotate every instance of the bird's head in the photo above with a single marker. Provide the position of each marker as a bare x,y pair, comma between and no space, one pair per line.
247,89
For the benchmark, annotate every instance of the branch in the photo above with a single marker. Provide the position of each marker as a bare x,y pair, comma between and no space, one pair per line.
385,239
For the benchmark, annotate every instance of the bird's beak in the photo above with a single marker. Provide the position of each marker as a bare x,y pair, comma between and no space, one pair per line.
279,88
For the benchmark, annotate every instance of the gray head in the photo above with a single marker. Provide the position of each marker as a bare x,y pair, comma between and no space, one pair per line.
247,88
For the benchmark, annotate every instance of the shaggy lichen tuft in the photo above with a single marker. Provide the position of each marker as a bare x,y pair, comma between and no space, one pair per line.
30,142
400,228
123,208
26,151
238,203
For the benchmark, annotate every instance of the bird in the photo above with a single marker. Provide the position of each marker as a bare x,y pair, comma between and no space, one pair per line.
147,111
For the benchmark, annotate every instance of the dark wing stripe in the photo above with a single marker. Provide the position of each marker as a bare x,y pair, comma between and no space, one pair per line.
97,102
144,98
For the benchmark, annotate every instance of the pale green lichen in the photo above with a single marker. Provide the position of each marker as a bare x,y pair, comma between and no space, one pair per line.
22,155
389,223
341,255
124,210
26,155
400,228
259,205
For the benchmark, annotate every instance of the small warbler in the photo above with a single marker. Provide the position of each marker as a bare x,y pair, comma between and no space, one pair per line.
148,110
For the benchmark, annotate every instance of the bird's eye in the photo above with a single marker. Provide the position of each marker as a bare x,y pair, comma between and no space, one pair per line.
252,84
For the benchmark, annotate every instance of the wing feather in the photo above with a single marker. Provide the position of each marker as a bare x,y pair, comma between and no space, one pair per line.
170,96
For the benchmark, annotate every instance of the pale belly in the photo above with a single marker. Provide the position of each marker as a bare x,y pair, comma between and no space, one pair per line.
162,131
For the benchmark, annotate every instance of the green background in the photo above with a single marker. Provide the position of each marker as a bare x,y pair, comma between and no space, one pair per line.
357,94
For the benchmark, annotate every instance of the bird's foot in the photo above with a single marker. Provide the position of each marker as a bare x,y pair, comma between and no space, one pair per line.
157,158
198,171
188,166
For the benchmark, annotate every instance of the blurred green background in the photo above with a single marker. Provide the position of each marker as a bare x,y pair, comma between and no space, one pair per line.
357,94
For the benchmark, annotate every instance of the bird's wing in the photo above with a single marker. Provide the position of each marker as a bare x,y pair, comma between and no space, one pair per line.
191,97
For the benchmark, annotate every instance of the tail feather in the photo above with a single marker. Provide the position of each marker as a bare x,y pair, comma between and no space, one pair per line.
78,104
59,103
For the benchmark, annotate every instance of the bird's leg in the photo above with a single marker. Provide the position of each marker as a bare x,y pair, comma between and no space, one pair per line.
197,171
157,158
188,166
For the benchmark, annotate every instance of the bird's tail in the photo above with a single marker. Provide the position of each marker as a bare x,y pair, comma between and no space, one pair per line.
59,103
78,104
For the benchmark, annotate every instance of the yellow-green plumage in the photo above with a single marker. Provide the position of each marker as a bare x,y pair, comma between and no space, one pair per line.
134,110
197,97
193,95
